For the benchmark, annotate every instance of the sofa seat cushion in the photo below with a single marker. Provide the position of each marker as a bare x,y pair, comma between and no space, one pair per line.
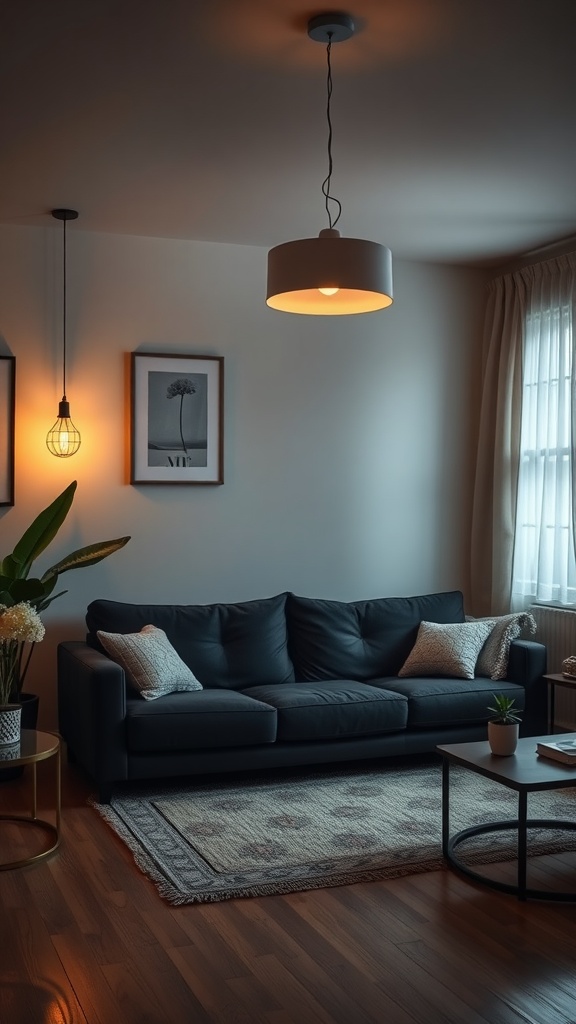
434,702
335,709
361,639
202,719
224,645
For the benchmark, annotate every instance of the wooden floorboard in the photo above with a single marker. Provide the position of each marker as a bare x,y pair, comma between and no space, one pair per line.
85,939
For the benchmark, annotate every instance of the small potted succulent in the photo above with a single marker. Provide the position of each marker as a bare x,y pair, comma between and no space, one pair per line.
503,726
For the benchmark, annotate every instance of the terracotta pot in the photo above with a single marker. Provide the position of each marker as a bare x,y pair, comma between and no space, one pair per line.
503,739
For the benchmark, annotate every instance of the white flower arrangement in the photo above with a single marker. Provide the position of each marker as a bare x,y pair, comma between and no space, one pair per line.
20,624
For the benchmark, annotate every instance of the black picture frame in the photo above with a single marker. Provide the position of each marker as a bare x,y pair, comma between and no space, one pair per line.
177,419
7,428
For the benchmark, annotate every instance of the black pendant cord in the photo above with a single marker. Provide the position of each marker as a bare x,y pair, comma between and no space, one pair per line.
64,316
327,180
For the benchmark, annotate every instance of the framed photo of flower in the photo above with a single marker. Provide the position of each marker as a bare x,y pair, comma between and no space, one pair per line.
7,420
177,419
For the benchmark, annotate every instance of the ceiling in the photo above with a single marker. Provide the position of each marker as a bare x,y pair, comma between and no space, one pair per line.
454,121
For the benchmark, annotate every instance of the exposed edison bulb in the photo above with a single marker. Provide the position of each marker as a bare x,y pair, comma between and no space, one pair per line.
328,291
63,439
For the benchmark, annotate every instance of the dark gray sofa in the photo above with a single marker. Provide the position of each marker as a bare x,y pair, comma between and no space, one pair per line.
287,681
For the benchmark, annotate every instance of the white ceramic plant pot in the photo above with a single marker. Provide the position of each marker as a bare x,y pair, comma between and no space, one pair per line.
503,739
10,724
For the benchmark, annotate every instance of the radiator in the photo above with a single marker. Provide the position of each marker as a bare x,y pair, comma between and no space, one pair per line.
556,627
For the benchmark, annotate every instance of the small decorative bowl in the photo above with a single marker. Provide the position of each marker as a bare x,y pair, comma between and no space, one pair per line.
569,667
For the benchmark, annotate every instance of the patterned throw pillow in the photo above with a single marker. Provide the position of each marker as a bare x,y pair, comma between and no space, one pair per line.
150,662
493,658
446,650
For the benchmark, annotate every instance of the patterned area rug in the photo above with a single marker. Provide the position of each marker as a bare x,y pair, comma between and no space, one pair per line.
202,842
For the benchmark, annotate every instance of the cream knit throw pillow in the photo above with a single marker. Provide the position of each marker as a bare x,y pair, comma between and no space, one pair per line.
150,662
446,650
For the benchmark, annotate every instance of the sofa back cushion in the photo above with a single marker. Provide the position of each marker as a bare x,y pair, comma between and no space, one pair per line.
361,639
224,645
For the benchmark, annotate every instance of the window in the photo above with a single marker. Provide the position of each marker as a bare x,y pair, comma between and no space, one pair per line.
544,563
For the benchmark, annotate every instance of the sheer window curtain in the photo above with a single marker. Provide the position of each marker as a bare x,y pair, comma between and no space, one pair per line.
519,312
544,567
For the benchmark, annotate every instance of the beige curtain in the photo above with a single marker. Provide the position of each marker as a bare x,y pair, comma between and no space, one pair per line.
495,489
494,503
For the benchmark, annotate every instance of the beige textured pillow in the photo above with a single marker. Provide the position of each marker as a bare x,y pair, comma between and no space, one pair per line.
446,649
150,662
493,658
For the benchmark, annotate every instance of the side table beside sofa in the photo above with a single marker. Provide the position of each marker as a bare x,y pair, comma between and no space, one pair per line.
35,746
282,681
554,679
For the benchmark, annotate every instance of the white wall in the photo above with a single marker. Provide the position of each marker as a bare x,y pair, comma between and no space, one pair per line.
348,441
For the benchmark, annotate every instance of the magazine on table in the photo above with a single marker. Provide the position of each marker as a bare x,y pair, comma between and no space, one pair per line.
563,750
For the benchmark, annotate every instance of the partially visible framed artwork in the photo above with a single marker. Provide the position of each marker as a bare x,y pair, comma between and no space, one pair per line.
7,420
177,419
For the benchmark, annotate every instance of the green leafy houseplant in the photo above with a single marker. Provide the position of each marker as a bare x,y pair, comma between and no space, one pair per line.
22,596
504,712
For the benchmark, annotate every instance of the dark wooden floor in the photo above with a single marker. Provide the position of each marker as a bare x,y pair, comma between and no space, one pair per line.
84,937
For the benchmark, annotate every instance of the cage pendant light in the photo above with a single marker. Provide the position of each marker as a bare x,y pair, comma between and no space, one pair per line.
63,439
329,275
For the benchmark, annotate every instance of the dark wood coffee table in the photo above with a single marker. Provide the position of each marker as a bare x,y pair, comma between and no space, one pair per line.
523,772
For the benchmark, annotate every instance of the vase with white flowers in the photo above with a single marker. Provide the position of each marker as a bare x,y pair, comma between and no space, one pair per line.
23,596
20,628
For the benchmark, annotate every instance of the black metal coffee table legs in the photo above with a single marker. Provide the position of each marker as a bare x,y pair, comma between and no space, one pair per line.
521,826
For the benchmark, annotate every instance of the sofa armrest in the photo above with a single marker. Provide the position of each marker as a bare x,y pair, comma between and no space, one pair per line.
527,664
92,711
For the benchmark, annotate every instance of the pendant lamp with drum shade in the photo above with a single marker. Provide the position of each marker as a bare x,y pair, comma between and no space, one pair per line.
63,439
329,275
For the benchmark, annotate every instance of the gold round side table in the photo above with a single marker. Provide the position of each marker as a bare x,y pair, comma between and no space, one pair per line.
34,746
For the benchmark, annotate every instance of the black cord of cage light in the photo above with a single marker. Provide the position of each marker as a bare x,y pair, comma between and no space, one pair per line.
64,313
327,180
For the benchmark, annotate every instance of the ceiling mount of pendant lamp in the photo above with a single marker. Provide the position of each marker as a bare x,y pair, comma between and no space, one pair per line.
329,275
